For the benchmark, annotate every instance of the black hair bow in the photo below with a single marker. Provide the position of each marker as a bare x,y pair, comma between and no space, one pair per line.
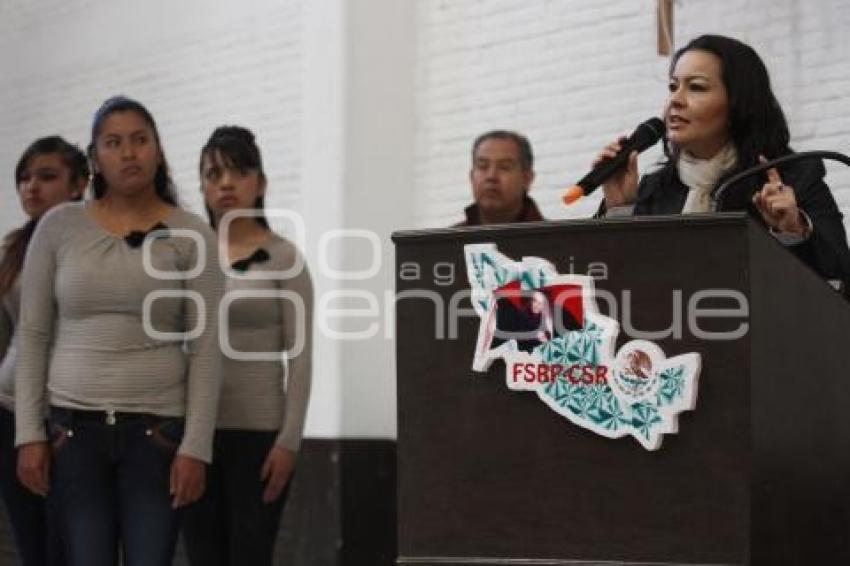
136,238
259,256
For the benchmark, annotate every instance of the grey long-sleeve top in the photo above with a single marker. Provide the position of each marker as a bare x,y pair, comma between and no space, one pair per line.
253,395
9,308
82,338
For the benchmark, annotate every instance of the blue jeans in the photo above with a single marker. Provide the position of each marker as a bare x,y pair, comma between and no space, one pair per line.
230,525
30,515
111,486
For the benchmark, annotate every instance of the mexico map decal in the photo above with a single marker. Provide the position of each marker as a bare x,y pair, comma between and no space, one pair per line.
555,343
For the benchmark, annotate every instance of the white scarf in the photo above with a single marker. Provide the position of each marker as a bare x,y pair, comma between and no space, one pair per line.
701,176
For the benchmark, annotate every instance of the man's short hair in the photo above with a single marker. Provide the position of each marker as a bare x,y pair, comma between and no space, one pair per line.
526,156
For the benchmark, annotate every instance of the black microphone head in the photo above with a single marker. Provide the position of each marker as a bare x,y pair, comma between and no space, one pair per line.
644,136
647,134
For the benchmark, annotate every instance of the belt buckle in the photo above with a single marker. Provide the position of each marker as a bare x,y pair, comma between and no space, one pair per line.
110,417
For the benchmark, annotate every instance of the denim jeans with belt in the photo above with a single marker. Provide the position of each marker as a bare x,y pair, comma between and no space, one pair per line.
110,478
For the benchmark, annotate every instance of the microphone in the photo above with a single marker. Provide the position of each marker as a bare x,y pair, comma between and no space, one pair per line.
644,136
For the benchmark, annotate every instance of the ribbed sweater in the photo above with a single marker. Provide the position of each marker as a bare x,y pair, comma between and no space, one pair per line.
82,343
9,309
271,393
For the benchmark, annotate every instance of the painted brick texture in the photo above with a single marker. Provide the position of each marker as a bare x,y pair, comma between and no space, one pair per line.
194,64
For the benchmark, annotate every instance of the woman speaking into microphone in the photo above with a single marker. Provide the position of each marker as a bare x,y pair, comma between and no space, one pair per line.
722,117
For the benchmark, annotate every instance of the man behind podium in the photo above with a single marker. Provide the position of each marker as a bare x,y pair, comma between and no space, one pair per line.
501,175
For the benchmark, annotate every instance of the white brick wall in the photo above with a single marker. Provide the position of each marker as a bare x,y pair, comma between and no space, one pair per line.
571,74
194,64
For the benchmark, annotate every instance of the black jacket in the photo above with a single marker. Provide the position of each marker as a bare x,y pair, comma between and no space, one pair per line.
825,251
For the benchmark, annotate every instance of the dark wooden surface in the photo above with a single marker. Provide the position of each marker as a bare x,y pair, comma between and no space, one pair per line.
488,475
800,414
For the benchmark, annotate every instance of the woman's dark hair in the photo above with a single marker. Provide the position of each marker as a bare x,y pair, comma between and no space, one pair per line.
234,147
757,124
162,180
16,242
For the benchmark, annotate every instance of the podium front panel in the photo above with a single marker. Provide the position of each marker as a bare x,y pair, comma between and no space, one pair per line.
487,474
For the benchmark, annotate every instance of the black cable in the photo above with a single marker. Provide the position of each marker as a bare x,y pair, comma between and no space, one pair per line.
717,194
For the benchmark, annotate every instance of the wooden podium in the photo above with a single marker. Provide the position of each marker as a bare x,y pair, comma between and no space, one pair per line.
759,472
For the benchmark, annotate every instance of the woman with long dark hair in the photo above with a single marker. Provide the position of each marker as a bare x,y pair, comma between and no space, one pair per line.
50,171
118,337
722,117
263,399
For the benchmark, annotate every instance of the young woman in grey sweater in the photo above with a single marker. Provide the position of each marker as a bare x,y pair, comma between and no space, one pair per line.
266,338
50,171
118,340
